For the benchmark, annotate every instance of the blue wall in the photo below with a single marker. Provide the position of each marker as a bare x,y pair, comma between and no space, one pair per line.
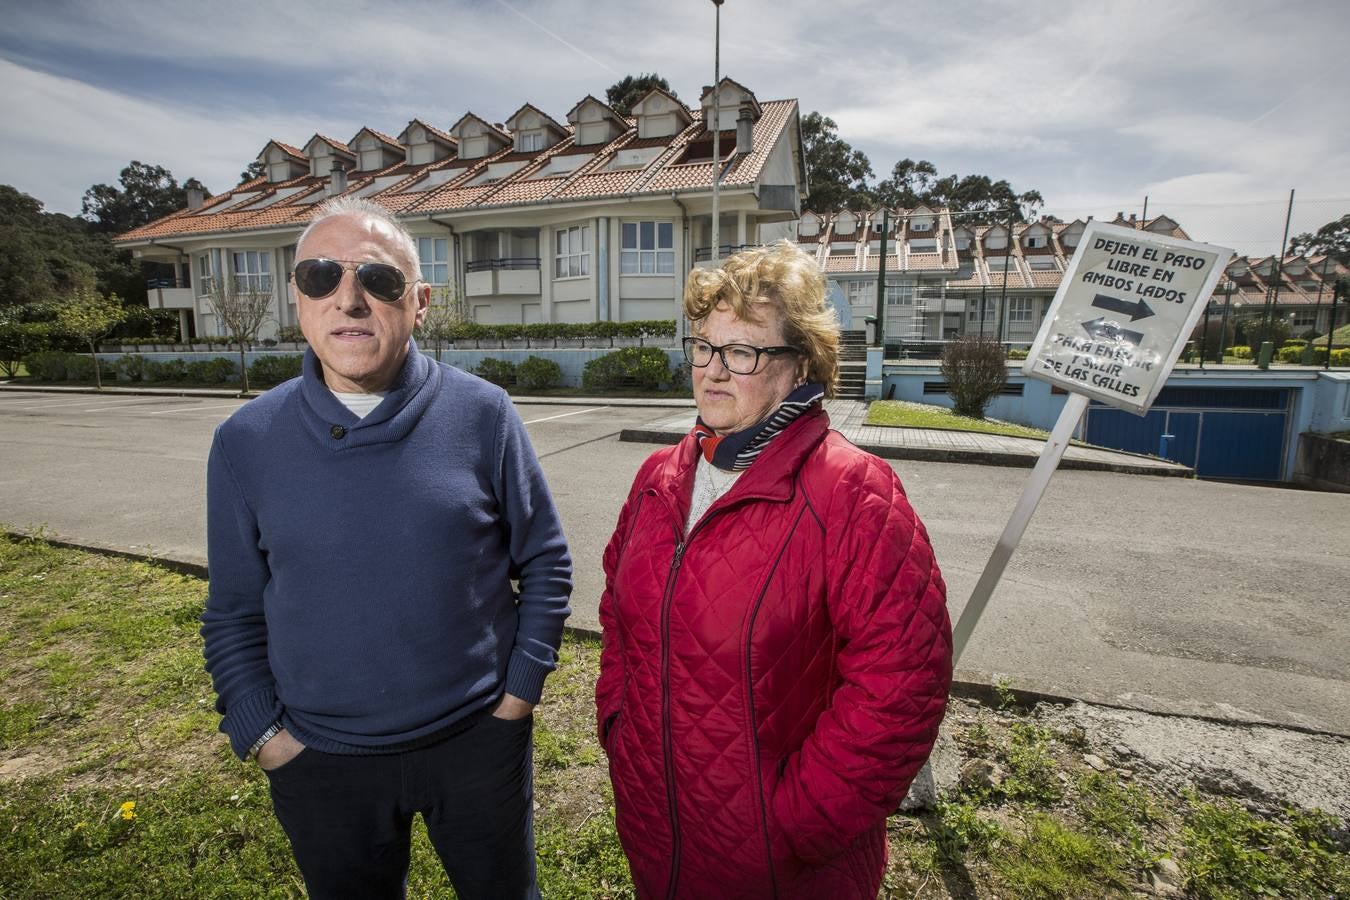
1321,399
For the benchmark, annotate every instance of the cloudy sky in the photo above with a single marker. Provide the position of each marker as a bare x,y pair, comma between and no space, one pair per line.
1214,110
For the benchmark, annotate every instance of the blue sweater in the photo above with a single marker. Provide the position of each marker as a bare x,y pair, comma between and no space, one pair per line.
361,570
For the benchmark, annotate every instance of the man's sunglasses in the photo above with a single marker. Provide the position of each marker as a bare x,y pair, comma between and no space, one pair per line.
317,278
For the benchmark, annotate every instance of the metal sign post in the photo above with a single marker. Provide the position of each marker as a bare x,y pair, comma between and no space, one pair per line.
1118,323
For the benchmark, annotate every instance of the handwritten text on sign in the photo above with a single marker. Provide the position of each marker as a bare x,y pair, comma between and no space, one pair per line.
1122,313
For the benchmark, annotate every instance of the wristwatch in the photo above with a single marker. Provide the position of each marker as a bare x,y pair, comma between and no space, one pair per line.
272,731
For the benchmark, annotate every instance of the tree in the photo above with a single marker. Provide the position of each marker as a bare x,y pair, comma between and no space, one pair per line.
445,313
981,194
621,95
1332,239
836,173
909,184
975,370
241,310
147,193
254,169
90,316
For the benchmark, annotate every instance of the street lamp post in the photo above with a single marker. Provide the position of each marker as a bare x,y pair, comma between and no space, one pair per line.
717,132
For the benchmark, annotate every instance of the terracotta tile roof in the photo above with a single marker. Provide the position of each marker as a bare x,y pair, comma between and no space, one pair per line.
491,127
335,144
228,213
1043,278
383,138
841,264
545,116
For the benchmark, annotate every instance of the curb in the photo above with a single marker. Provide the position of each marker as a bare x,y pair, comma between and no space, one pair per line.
976,686
933,454
654,403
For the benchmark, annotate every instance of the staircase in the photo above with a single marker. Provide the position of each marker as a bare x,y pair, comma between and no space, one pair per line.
852,364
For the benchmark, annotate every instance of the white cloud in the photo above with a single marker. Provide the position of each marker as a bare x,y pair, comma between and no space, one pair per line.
74,135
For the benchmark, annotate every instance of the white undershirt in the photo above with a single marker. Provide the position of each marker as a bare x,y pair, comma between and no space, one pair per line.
361,404
710,484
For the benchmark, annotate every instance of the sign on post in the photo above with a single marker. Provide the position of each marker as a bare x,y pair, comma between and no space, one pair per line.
1122,314
1113,333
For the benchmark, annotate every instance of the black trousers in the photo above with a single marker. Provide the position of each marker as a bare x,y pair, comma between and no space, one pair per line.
349,818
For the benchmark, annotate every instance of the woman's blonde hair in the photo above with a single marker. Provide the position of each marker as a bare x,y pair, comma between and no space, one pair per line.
781,279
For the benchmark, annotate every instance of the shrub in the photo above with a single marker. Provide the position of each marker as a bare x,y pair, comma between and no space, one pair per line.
1017,353
47,365
1240,352
168,370
643,367
975,373
291,334
211,371
274,369
498,371
537,373
1340,357
79,367
130,367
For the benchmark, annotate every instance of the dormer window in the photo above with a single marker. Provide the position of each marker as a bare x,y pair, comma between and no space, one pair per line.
529,141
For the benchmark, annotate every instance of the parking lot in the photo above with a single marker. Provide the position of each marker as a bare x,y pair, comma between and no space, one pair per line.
1172,594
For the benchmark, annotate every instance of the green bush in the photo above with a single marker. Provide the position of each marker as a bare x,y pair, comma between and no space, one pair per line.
274,369
1017,353
643,367
1239,352
1340,357
168,370
81,368
498,371
537,373
130,367
47,365
291,334
211,371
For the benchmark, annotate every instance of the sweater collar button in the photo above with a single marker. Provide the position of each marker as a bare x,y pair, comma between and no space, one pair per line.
338,432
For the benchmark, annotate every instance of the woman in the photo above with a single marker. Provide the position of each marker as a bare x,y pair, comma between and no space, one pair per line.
777,651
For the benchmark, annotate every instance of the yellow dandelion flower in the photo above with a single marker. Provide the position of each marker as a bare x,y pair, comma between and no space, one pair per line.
128,810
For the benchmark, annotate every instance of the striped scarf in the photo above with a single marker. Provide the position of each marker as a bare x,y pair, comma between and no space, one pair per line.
734,452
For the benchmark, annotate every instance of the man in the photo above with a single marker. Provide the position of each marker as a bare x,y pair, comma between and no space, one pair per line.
365,522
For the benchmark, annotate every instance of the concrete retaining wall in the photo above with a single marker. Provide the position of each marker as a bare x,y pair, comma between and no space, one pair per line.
1323,463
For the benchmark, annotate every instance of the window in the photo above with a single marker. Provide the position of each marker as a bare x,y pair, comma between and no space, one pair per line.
973,309
1305,318
433,255
573,257
1042,262
899,295
531,140
648,248
203,274
1034,242
1019,309
253,271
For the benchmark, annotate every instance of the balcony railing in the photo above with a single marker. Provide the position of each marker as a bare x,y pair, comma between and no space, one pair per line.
509,262
703,254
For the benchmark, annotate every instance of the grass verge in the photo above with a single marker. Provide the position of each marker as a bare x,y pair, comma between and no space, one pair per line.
903,414
114,782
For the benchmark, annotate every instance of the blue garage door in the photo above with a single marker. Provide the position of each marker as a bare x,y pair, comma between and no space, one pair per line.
1221,432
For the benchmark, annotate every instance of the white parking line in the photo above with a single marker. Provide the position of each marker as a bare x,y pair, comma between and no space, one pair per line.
54,402
564,415
165,412
128,403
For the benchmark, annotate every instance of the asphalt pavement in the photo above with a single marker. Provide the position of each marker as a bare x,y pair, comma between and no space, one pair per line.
1166,594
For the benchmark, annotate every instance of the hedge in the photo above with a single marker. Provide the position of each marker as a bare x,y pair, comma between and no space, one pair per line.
643,367
275,369
498,371
537,373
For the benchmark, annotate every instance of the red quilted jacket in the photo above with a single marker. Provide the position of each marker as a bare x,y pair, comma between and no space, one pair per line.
772,682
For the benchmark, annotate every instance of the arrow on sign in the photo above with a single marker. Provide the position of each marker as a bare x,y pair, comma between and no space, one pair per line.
1105,330
1136,311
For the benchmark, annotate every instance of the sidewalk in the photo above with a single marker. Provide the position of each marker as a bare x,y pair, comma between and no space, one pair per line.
938,445
928,444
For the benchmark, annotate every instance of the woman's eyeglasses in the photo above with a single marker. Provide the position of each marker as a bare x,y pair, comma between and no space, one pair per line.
317,278
739,359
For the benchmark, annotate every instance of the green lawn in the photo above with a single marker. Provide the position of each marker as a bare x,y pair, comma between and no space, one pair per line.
114,782
902,414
